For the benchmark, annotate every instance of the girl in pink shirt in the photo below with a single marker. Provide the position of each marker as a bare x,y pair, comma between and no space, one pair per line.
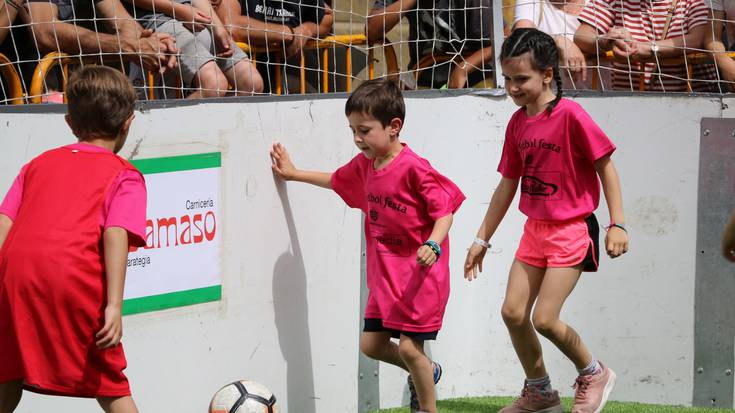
556,152
409,209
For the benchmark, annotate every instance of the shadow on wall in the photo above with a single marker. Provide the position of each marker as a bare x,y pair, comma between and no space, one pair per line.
291,318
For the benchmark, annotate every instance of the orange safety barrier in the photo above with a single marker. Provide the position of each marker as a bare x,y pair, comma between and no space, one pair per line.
691,59
54,59
12,79
346,41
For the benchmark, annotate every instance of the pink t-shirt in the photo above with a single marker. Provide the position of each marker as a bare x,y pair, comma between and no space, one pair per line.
125,201
401,203
554,157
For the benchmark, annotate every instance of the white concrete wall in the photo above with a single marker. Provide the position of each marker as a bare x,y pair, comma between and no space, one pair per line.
289,317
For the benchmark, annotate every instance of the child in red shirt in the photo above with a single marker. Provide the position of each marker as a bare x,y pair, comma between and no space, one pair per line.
65,229
409,209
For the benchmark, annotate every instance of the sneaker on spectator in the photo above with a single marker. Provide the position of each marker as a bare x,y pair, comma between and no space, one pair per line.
591,391
533,400
412,388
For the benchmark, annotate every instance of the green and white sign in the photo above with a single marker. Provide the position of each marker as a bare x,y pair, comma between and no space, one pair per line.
179,265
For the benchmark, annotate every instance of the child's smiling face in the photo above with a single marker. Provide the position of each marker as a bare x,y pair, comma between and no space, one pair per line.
371,137
524,83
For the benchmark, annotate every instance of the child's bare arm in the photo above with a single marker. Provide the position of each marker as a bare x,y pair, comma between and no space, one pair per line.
115,246
425,255
286,170
616,240
5,224
728,239
499,204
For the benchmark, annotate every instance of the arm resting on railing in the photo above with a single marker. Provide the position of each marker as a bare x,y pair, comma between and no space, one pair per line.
250,30
712,42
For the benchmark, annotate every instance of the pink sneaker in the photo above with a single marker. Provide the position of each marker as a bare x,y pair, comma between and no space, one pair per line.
534,401
591,391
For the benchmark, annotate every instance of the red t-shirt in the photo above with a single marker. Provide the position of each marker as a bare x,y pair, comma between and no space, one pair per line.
53,287
554,157
401,202
125,200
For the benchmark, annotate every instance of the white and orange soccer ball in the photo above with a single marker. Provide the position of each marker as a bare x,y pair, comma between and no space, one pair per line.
243,396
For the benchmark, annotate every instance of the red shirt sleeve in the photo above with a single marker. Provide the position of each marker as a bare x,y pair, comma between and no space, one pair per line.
125,204
11,203
349,182
599,14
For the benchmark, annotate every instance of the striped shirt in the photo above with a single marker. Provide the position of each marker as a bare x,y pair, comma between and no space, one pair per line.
645,20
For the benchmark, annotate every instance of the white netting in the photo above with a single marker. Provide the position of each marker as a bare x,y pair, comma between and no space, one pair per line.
629,45
244,47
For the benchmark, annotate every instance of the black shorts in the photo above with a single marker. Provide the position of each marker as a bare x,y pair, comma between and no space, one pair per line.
592,259
375,325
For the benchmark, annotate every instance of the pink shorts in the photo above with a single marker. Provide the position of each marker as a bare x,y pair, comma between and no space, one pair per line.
561,244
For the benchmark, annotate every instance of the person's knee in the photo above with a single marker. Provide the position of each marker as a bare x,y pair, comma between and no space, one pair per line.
544,324
211,80
371,347
513,316
248,79
409,350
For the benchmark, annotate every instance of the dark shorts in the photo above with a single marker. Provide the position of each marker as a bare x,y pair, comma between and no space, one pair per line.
592,259
375,325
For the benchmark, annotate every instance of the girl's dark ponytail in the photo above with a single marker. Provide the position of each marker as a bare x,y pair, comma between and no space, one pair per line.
557,79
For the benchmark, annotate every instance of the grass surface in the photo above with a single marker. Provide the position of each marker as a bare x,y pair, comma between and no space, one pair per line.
493,404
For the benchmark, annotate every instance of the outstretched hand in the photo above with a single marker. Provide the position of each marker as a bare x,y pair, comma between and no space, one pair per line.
281,162
473,262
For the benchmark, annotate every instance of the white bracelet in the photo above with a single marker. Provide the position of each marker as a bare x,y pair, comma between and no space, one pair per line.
481,242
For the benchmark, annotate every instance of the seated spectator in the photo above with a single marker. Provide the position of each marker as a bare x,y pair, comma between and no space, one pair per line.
639,33
69,26
461,29
209,61
9,33
558,19
718,39
8,12
282,28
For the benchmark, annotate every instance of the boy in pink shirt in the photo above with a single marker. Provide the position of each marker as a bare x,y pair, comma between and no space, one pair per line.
409,209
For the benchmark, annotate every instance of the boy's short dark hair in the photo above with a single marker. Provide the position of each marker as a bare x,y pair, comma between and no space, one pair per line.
100,100
379,98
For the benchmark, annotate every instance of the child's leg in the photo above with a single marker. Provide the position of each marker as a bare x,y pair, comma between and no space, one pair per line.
557,284
524,283
123,404
378,346
244,77
10,394
422,371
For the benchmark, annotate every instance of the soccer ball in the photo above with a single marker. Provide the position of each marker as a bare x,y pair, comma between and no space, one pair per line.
243,396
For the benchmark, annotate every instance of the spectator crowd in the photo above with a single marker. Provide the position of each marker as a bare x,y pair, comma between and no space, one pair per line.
214,48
